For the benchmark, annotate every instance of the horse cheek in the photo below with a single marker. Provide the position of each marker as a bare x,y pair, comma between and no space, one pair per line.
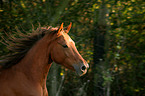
57,56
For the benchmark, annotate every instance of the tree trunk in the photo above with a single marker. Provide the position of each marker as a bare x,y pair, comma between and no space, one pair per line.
100,30
53,77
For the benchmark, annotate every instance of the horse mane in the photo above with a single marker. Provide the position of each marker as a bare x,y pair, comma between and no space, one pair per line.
21,43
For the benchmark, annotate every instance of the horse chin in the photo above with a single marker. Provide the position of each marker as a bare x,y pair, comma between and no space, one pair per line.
81,73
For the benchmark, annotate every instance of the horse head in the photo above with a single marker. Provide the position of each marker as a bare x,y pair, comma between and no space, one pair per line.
64,52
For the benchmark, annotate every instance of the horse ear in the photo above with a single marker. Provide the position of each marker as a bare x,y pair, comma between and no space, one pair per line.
68,28
60,28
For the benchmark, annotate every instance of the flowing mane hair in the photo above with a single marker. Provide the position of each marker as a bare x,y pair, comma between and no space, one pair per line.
21,43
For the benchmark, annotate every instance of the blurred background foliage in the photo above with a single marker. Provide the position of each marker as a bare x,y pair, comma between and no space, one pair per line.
109,34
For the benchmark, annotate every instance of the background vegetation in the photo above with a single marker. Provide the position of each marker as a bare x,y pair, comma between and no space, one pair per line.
109,34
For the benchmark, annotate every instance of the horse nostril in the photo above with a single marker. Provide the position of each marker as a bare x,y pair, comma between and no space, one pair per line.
83,68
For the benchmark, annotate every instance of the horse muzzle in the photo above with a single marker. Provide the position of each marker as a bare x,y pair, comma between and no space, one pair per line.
81,69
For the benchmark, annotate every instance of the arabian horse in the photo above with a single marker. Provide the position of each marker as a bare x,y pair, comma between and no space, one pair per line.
24,71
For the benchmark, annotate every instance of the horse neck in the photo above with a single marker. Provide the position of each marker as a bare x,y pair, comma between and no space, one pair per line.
36,63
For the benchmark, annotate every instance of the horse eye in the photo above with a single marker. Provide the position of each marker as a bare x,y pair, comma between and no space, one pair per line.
65,46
